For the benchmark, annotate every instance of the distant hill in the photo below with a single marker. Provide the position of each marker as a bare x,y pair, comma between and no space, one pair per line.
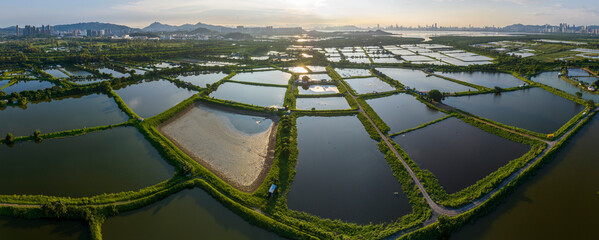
160,27
93,26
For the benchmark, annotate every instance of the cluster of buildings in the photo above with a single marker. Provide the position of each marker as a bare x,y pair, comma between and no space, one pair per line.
565,28
33,30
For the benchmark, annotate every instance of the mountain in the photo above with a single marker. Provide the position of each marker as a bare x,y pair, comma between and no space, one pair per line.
94,26
160,27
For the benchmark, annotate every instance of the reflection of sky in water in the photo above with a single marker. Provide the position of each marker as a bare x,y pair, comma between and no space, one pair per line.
243,123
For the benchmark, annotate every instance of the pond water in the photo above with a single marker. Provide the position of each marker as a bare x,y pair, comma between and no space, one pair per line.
3,82
189,214
317,68
352,72
59,115
342,175
150,98
534,211
553,80
369,85
113,72
272,77
107,161
298,69
486,79
418,80
31,85
457,153
324,103
317,89
56,73
234,146
403,111
17,228
249,94
77,73
316,77
578,72
534,109
201,80
87,81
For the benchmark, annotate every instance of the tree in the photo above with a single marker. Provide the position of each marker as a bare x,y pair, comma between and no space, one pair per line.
435,95
305,78
37,135
498,89
9,138
578,94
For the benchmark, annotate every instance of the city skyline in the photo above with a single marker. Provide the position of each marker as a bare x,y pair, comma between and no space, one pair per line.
308,14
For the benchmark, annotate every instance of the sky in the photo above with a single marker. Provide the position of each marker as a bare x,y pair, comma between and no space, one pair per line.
305,13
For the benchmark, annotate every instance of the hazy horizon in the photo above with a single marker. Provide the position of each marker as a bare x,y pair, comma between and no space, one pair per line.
305,13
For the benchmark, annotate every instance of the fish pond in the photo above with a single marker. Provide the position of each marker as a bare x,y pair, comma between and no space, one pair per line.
352,72
56,73
457,153
62,114
30,85
233,145
113,72
402,111
559,201
108,161
418,80
317,89
201,80
150,98
534,109
486,79
553,80
271,77
18,228
188,214
323,103
249,94
341,174
369,85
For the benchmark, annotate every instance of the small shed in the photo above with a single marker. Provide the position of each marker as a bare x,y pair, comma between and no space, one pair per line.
271,190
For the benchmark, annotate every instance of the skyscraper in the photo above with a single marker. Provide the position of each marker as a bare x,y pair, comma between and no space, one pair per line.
17,30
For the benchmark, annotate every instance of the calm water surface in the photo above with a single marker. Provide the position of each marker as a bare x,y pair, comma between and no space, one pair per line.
249,94
150,98
341,174
369,85
190,214
559,202
534,109
272,77
108,161
486,79
457,153
403,111
553,80
326,103
418,80
31,85
317,89
17,228
201,80
59,115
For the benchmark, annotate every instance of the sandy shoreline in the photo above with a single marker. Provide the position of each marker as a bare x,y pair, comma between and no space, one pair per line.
240,159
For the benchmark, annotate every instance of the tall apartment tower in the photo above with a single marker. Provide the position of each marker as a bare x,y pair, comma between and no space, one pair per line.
17,30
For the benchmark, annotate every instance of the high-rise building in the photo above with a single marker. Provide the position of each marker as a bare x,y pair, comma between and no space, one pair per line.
17,30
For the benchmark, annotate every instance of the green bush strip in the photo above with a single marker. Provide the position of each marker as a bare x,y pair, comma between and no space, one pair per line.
421,126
